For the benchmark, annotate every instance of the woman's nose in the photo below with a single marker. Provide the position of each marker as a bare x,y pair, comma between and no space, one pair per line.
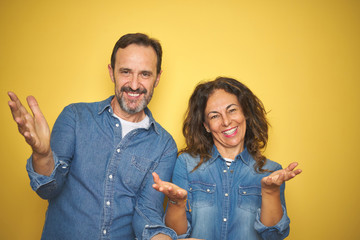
226,120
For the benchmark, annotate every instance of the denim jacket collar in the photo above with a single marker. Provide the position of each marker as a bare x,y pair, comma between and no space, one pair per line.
243,156
106,104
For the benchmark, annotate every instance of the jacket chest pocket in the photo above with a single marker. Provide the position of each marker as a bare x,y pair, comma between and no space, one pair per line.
203,194
249,198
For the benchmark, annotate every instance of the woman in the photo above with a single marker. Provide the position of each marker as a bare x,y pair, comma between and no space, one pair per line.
232,190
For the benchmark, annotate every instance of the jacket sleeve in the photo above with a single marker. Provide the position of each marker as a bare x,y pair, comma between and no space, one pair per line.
149,210
62,145
281,229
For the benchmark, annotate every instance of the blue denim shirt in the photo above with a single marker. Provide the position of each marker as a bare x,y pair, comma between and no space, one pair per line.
225,202
101,187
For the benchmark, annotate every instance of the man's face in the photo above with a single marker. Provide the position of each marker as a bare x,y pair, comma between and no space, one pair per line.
135,78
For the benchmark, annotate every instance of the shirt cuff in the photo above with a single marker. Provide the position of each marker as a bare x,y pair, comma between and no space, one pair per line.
187,234
38,180
281,227
188,230
151,230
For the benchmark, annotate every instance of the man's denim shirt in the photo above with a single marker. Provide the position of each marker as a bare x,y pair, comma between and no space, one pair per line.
101,187
225,202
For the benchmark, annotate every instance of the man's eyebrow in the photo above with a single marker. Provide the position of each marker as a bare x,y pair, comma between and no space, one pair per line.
123,69
146,71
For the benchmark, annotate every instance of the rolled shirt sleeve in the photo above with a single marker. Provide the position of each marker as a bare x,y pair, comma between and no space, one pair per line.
62,142
279,231
48,187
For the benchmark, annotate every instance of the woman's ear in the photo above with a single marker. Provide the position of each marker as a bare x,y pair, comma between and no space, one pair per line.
206,127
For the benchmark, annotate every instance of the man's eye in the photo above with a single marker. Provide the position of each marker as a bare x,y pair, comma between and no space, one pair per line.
146,74
124,71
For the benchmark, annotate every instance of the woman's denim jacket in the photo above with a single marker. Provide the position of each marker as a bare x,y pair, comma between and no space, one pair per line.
225,202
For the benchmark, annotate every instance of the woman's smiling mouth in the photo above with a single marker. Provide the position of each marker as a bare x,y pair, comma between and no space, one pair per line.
231,132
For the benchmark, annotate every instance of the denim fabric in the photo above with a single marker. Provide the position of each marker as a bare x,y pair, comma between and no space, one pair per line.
101,187
225,202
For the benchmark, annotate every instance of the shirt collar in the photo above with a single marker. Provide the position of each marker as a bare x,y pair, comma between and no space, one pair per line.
243,156
106,106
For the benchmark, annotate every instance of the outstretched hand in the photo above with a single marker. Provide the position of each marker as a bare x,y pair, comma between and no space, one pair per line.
34,127
172,191
36,132
275,179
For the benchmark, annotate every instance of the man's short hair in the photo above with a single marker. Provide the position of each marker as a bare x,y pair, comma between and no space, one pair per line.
141,40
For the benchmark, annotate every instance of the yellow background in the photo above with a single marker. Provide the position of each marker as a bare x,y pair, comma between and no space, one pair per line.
301,57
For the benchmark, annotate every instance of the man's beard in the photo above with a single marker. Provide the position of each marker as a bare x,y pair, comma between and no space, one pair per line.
125,103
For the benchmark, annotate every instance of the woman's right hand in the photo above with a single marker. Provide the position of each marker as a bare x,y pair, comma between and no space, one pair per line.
172,191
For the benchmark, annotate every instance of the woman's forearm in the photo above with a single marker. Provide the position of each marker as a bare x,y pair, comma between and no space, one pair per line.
175,217
271,209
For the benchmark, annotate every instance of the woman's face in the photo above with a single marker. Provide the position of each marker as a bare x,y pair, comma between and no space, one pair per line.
226,122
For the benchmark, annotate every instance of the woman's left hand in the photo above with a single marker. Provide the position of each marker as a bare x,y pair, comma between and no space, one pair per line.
273,182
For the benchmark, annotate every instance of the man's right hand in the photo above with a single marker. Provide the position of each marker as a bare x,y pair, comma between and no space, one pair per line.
36,132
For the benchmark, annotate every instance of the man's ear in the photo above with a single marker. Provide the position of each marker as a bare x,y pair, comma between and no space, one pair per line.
111,73
157,80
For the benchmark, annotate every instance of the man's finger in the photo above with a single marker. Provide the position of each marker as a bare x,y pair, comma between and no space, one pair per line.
34,106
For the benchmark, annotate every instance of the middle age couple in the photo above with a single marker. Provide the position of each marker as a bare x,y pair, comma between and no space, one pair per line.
101,171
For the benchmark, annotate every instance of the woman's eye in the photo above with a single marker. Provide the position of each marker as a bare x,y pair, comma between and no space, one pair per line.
214,116
232,110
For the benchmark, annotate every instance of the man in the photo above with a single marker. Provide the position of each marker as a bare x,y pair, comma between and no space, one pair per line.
96,170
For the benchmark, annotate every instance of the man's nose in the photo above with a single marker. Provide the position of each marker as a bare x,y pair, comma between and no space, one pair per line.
134,82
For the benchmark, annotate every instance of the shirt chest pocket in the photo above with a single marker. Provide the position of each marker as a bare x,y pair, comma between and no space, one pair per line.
203,194
249,198
135,171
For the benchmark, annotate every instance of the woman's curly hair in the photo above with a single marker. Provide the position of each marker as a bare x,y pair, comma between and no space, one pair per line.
200,143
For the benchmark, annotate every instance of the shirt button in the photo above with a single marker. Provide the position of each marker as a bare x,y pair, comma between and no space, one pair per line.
190,189
110,176
104,232
117,125
118,150
226,194
225,171
244,192
108,203
224,219
208,190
